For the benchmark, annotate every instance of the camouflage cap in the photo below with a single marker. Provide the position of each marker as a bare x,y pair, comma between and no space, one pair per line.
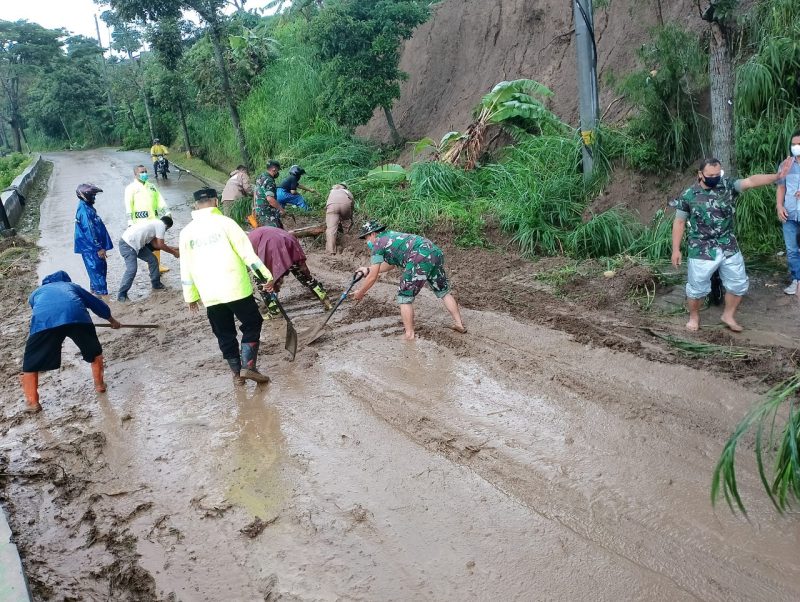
371,226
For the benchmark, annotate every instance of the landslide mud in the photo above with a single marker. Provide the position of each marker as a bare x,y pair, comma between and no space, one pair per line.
521,461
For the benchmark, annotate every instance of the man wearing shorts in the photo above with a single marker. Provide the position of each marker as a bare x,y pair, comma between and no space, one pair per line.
60,312
421,261
709,208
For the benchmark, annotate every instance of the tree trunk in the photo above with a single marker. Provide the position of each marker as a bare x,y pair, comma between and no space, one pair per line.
16,131
182,115
147,111
216,43
3,136
396,140
720,70
131,116
143,92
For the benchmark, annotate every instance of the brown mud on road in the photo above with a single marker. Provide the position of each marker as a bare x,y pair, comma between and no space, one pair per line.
554,452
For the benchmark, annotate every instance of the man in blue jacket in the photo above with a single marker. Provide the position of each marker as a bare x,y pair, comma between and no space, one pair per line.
60,311
91,239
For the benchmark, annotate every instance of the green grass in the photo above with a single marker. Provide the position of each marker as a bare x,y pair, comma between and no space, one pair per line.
197,166
11,166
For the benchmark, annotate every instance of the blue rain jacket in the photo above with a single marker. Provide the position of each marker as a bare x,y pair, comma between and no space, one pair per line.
60,301
91,234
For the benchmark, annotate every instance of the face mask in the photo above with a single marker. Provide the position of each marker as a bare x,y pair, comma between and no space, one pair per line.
143,177
712,182
87,201
795,150
370,245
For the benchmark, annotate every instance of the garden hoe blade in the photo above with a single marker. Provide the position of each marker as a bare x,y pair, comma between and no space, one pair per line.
317,332
291,333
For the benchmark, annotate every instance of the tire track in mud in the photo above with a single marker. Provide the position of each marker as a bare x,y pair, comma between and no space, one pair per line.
602,515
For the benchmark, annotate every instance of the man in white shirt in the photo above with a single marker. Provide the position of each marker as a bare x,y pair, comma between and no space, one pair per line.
138,242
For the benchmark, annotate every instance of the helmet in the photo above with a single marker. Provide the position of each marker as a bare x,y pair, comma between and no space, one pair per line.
296,170
371,226
88,191
156,140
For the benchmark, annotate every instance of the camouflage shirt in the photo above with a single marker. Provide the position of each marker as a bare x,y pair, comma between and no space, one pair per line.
396,248
265,187
710,216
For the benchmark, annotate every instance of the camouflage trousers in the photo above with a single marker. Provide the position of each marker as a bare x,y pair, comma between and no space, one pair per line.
426,266
269,216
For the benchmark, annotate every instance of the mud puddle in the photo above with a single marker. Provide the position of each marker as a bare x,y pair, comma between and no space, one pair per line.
517,462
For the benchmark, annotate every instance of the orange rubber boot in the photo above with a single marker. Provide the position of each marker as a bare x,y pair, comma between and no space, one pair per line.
97,374
30,387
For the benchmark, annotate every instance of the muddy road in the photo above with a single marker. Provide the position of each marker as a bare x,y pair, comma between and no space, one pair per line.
518,462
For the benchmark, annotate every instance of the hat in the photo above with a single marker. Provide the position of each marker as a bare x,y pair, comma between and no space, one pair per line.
59,276
371,226
205,194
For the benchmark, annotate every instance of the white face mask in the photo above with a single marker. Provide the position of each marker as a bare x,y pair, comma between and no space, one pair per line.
795,150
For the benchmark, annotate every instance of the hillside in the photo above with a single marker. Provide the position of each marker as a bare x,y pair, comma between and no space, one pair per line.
469,45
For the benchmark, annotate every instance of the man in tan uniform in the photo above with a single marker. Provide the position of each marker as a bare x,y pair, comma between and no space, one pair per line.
338,208
237,186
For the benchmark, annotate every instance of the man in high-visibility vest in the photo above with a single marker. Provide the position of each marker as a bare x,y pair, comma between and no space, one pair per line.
215,254
143,201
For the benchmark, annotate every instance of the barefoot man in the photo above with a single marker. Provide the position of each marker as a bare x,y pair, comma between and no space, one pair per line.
709,207
421,262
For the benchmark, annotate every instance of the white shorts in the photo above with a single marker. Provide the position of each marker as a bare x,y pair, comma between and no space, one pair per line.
731,270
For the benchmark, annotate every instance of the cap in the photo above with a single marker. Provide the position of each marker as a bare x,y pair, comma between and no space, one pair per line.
204,194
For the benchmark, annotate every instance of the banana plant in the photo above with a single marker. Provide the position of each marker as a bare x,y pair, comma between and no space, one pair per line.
437,149
511,104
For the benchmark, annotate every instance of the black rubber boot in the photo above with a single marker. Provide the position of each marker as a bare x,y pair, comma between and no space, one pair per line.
235,364
249,361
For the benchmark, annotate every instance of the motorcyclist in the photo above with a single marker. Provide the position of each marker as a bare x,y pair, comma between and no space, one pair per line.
156,150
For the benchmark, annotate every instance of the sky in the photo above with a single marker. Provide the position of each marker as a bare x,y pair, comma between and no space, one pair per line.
73,15
77,16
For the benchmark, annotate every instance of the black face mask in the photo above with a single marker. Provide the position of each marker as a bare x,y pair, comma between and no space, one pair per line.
87,201
712,181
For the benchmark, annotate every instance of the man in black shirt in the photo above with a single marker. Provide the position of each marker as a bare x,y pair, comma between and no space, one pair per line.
287,191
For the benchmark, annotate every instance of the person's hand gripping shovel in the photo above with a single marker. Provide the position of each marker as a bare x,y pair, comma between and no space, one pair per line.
272,297
314,334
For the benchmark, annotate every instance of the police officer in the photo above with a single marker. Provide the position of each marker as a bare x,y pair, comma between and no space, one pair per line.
215,255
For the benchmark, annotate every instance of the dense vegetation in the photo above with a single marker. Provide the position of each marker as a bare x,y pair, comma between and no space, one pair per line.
11,166
291,78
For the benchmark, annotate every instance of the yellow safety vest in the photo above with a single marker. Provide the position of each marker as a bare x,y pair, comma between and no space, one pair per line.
144,201
215,255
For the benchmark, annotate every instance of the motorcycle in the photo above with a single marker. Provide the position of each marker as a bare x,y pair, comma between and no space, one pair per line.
162,167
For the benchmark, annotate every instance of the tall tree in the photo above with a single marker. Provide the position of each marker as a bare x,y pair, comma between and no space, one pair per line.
26,49
720,18
128,38
166,40
359,42
209,11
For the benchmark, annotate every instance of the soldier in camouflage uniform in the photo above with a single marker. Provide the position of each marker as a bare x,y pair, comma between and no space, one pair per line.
709,207
267,209
421,262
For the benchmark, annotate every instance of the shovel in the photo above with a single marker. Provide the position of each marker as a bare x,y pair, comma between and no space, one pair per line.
291,333
130,325
317,332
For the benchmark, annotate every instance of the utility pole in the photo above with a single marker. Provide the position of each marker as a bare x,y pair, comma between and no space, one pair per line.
105,70
587,80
